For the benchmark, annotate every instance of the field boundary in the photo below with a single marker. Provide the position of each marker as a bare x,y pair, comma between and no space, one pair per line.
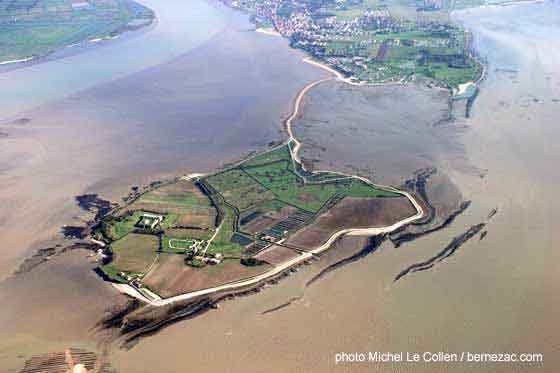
296,161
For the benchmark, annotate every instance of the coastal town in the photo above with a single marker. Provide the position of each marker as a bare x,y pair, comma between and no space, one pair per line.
371,42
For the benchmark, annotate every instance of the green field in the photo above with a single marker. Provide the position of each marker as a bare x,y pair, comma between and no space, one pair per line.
278,184
121,226
238,188
271,185
38,27
184,199
349,10
133,254
175,245
222,243
439,54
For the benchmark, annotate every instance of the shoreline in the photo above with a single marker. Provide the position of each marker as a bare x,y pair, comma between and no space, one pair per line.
21,60
70,49
269,32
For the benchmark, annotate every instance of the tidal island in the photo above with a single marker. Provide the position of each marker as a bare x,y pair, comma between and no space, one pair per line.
201,234
238,227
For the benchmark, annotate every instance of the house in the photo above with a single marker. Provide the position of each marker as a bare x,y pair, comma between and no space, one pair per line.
149,221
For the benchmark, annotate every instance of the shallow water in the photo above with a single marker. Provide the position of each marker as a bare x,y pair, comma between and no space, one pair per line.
180,27
194,109
495,295
212,104
382,132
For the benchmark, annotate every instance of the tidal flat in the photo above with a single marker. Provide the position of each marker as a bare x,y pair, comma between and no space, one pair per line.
498,294
191,113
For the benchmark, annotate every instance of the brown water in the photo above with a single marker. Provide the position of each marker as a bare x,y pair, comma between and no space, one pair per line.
211,104
384,133
495,295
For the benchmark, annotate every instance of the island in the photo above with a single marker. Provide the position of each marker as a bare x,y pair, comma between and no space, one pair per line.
36,28
201,234
242,225
238,227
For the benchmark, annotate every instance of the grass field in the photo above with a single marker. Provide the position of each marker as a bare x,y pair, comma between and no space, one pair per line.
176,245
124,225
438,54
270,195
222,242
182,194
239,189
38,27
132,254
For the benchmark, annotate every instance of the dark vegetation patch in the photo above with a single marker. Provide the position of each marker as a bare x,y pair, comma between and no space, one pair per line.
281,306
93,203
241,239
372,245
252,262
74,232
248,218
449,250
398,239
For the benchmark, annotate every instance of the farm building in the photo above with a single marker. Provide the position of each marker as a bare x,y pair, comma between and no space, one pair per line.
149,221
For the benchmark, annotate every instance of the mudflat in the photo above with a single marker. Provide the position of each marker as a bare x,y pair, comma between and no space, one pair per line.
495,294
165,121
352,212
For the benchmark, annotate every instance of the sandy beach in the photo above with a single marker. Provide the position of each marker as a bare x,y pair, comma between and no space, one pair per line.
270,32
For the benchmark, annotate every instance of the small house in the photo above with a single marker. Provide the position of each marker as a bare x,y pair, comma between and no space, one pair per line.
149,221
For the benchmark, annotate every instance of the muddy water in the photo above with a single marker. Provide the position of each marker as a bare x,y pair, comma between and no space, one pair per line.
190,113
495,295
210,105
382,132
180,27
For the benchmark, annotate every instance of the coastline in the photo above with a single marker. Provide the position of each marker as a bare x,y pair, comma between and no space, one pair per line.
462,89
81,46
305,256
477,274
21,60
269,32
